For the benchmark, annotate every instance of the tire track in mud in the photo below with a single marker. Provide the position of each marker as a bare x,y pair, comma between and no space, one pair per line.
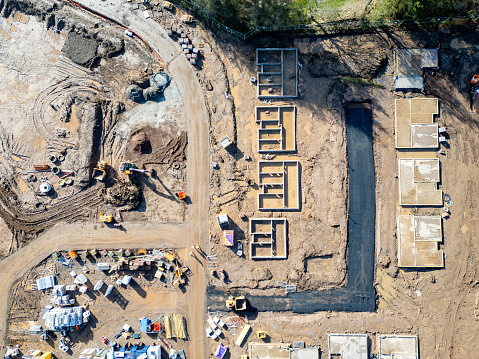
27,225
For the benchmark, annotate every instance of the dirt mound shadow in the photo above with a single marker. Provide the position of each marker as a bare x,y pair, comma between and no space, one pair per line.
155,146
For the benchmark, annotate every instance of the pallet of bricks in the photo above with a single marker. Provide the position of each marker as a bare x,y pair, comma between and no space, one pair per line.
140,265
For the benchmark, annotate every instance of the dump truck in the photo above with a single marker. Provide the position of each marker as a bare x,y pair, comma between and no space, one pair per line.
236,303
99,172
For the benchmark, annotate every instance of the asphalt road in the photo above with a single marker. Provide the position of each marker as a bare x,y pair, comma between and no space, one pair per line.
358,295
195,228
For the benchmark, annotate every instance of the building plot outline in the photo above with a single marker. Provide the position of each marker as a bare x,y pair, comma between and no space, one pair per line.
269,238
418,178
280,185
418,239
277,73
277,128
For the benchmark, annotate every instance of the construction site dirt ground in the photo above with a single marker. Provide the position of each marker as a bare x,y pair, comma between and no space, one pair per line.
144,296
440,306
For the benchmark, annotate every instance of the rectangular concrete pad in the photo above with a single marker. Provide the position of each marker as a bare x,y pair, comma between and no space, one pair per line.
418,238
349,346
409,62
424,105
269,350
397,347
414,119
418,182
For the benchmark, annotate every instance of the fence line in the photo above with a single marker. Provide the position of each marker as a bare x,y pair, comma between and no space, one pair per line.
328,27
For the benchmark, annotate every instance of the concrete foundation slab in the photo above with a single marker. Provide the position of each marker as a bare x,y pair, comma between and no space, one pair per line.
418,238
415,127
397,347
348,346
418,182
409,64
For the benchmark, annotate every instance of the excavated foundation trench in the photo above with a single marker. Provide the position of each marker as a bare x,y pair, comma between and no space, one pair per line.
358,295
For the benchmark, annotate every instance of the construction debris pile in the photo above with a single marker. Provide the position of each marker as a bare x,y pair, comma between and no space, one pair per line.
123,193
157,84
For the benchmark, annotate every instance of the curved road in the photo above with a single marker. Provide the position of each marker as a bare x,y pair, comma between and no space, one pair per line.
193,231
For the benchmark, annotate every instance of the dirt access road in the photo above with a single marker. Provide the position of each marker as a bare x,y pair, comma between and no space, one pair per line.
193,231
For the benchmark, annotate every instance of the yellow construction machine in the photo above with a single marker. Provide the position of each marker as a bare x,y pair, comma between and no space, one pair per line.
238,303
106,218
99,172
261,334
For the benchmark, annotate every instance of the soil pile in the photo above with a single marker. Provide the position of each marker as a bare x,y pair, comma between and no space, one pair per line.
85,49
147,146
123,194
81,49
364,64
134,93
90,115
140,78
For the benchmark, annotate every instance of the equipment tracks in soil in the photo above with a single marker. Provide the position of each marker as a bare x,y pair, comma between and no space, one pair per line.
68,209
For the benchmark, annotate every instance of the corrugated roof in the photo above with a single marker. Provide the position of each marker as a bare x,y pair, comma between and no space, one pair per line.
46,282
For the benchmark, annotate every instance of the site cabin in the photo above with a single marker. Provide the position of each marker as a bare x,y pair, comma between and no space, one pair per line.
223,221
225,141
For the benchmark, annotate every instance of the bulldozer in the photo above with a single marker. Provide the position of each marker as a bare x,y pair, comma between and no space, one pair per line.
236,303
106,218
99,172
128,168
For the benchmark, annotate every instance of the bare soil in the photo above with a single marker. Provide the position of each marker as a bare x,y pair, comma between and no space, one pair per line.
440,306
409,301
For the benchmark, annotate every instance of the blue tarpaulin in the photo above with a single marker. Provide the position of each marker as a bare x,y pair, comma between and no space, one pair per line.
220,351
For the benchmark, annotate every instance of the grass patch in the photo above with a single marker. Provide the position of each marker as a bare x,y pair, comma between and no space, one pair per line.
361,81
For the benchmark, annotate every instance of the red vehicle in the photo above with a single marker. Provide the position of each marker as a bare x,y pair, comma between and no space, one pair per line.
104,340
